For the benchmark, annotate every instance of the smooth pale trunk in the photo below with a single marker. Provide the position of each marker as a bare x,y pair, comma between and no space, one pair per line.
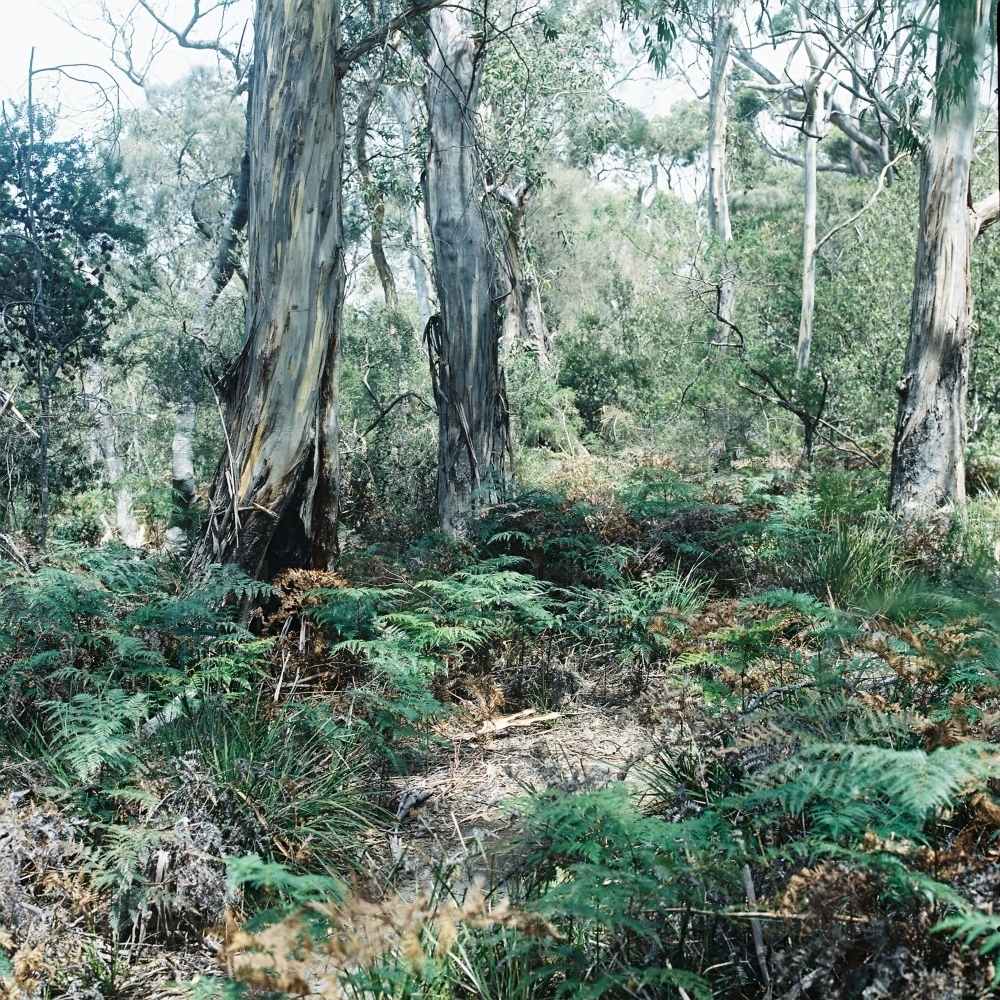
401,102
464,340
718,196
104,448
182,453
813,125
928,456
524,325
418,264
274,498
718,106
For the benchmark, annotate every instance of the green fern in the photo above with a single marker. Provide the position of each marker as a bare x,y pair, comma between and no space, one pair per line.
975,929
91,732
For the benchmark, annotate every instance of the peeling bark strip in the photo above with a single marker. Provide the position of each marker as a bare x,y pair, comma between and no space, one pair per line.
464,340
275,494
928,455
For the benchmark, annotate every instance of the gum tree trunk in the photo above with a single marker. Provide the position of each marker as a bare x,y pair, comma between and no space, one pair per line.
928,455
718,197
814,125
402,103
523,323
182,454
274,497
104,448
464,338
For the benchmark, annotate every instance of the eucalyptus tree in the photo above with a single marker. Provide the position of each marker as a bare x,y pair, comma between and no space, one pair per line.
275,494
825,51
501,104
928,456
473,431
712,28
189,168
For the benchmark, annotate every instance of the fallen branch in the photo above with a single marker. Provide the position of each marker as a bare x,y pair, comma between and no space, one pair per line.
771,692
525,718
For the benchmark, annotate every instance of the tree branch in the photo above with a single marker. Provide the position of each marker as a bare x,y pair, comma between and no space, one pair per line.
350,55
844,123
867,205
985,213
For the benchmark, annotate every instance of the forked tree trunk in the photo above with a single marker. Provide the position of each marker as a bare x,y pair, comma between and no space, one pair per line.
928,455
718,196
464,339
274,497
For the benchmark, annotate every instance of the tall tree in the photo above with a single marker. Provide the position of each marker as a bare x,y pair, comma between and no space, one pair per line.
718,120
105,451
928,455
275,492
464,338
274,497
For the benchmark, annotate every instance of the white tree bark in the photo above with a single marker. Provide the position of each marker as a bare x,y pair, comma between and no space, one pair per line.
928,457
718,108
718,194
815,127
401,102
182,453
524,323
464,342
274,499
104,448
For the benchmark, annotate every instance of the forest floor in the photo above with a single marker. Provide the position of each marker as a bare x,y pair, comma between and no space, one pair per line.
732,739
467,800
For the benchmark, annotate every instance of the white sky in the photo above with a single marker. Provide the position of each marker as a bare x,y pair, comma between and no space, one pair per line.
27,23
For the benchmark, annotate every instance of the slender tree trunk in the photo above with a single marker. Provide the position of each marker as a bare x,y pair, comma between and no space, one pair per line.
274,498
418,264
523,318
928,456
227,260
182,455
464,342
718,195
375,199
45,404
105,448
718,110
400,100
814,127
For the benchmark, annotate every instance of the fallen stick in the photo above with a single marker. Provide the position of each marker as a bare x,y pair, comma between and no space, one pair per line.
525,718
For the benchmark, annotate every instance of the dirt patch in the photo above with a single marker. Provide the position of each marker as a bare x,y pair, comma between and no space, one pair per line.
459,813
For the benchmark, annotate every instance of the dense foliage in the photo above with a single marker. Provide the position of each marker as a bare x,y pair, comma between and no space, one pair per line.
680,711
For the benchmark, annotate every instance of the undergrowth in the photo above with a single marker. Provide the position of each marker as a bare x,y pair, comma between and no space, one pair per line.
819,813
